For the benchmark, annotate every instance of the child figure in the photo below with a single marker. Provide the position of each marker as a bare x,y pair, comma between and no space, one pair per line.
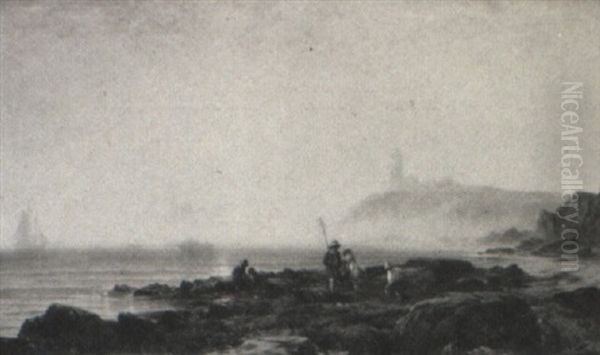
352,268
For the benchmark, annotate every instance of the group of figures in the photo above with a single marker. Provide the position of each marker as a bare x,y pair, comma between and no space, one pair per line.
341,268
244,276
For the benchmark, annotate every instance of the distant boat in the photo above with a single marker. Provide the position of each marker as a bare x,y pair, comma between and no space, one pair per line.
28,235
192,249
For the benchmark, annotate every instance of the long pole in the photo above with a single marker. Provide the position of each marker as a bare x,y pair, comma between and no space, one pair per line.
323,230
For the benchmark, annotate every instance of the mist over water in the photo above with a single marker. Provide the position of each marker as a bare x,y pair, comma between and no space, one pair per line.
434,215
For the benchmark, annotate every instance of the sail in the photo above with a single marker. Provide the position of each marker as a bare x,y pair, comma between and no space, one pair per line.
24,228
28,234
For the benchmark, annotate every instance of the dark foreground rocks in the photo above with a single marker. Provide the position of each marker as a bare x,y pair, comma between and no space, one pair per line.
274,345
584,300
437,307
68,329
465,322
156,291
64,327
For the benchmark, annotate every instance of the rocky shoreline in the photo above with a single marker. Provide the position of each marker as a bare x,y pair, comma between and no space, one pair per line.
438,306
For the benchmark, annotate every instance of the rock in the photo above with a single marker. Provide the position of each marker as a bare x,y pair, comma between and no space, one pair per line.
120,290
291,280
225,286
569,323
357,339
511,276
274,345
412,282
172,321
155,291
375,271
468,321
530,244
65,327
500,251
364,339
585,300
138,332
199,288
444,270
152,330
185,287
226,310
546,240
422,278
555,249
550,224
484,350
316,295
469,284
176,332
18,346
509,236
418,278
271,289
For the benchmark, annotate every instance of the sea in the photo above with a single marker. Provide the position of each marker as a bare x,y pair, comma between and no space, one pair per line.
30,282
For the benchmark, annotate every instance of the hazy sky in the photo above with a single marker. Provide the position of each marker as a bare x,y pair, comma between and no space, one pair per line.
240,122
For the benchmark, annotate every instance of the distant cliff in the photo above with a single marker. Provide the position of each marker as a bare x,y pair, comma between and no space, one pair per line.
585,219
545,239
446,213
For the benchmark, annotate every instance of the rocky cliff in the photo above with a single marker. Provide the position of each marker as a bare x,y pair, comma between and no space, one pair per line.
545,239
585,218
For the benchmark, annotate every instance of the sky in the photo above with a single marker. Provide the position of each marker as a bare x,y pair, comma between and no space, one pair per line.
239,123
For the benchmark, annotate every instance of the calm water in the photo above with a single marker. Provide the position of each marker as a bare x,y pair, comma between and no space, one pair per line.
30,283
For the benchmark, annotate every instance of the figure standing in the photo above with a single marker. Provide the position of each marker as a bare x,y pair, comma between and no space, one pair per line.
333,263
239,275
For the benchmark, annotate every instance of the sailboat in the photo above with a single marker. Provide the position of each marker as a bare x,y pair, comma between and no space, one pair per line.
28,235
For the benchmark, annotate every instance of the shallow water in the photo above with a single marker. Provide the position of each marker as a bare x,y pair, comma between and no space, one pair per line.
29,283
